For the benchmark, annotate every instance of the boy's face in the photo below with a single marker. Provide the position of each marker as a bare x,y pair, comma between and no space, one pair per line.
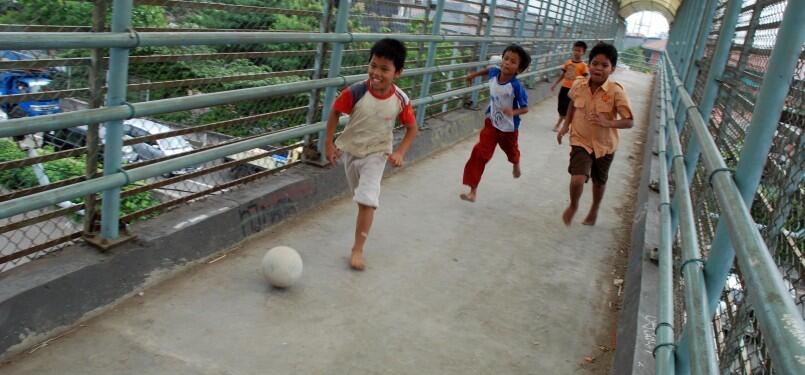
382,73
600,68
578,52
510,64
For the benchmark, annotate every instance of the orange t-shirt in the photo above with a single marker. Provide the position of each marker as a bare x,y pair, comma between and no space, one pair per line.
609,100
572,70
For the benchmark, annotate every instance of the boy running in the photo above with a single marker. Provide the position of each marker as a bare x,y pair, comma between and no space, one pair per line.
572,69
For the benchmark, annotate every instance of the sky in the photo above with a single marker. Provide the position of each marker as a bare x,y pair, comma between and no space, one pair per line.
652,24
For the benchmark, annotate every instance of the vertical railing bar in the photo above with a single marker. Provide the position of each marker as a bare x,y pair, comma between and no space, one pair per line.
115,96
425,89
336,58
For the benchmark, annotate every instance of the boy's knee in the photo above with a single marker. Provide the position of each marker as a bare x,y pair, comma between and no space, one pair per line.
578,179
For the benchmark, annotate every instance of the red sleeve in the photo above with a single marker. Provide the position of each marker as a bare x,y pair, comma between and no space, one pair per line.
407,116
343,103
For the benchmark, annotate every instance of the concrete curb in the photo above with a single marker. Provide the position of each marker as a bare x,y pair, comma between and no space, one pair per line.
42,299
635,333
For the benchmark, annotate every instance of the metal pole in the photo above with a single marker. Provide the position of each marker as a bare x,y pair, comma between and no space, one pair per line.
482,54
425,90
342,18
35,201
574,20
701,43
543,46
778,316
449,86
768,106
116,95
719,62
27,125
664,330
421,46
717,65
701,350
692,150
321,50
96,100
521,25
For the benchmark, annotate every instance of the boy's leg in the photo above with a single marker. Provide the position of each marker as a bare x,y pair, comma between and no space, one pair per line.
579,169
367,196
366,215
599,174
508,143
598,194
563,102
481,154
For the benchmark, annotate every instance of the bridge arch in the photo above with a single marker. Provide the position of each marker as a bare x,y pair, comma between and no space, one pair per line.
667,8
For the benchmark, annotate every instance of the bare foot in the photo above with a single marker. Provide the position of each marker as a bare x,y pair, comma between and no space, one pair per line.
469,197
567,216
555,129
516,171
590,219
356,261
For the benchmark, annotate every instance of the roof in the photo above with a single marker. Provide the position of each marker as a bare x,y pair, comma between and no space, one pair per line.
655,45
667,8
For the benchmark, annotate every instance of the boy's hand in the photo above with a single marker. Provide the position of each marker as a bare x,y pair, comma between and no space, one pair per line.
553,87
561,133
597,119
396,159
331,152
508,112
469,79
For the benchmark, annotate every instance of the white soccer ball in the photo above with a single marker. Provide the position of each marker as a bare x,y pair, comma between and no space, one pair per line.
282,266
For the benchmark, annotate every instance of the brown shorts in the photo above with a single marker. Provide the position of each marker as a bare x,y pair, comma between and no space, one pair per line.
585,163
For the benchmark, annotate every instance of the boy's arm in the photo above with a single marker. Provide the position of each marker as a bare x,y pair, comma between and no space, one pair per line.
622,108
332,123
571,110
515,112
561,77
624,123
472,75
397,157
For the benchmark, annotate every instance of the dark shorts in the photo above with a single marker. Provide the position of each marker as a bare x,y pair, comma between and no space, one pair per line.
585,163
564,101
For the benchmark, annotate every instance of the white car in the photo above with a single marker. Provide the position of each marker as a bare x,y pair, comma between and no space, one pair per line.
159,148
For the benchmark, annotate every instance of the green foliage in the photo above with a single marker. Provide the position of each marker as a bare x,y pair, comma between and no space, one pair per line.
635,58
74,13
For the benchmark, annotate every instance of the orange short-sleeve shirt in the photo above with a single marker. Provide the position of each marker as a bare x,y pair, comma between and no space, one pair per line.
572,70
609,100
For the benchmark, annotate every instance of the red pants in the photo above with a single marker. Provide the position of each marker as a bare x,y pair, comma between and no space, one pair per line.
485,148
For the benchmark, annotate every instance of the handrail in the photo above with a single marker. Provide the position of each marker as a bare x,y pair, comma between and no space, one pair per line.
50,197
778,316
28,125
134,39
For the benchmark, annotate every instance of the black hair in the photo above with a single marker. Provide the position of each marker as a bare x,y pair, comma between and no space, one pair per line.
525,59
607,50
581,44
391,49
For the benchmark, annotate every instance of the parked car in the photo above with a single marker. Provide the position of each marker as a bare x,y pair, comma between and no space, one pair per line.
159,148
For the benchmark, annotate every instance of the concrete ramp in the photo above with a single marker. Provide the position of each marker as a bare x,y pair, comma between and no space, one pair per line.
499,286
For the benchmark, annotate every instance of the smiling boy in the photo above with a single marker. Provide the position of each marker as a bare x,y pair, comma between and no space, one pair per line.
374,106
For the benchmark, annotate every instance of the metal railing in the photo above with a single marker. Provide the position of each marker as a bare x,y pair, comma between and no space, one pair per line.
738,113
243,84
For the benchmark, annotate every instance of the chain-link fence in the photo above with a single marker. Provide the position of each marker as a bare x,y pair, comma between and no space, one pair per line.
778,204
64,80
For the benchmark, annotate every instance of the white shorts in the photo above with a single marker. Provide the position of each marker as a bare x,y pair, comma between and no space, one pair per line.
364,175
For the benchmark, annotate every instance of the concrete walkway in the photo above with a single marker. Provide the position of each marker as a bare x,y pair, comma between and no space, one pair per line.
499,286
